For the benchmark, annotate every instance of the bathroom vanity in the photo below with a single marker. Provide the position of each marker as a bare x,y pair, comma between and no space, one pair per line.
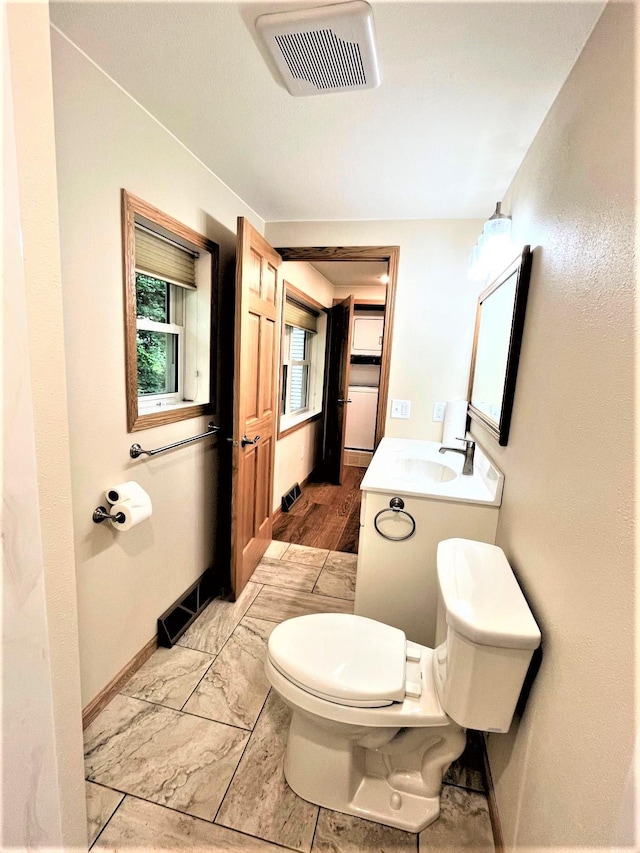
414,497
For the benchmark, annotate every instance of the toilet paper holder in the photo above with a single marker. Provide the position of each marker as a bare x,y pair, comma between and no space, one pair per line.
101,514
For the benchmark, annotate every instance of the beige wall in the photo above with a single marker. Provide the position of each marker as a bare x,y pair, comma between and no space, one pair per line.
374,292
125,581
435,306
562,774
42,761
297,453
307,279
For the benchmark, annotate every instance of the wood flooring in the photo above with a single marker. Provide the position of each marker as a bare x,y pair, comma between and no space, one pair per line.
325,516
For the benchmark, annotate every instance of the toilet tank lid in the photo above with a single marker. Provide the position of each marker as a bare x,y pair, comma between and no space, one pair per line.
481,596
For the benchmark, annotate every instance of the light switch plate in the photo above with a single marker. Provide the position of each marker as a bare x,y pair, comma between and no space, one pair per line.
438,412
401,409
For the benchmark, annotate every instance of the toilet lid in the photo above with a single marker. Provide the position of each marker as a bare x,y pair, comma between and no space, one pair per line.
347,659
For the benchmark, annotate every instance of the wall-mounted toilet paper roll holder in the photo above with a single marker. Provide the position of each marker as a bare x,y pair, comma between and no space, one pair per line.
100,514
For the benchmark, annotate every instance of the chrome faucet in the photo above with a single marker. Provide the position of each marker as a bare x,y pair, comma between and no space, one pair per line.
469,450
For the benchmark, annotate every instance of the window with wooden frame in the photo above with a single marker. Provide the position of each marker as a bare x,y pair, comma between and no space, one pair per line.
170,274
303,351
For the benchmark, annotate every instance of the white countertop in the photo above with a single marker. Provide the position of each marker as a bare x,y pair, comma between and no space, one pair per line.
408,466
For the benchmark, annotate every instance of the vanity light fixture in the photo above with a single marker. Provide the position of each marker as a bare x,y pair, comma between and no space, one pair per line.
384,279
493,249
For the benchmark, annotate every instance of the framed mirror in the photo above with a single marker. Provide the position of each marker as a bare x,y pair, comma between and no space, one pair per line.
496,347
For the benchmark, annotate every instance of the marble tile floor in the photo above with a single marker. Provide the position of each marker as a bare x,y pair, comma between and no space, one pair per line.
188,756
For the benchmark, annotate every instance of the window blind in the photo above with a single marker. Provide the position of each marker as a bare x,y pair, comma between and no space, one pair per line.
158,257
299,315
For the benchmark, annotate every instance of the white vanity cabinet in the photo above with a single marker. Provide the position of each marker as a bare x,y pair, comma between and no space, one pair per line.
396,580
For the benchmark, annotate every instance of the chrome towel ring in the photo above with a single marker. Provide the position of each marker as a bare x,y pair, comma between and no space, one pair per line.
396,505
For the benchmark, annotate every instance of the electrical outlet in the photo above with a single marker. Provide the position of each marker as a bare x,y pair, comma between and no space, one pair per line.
438,412
401,409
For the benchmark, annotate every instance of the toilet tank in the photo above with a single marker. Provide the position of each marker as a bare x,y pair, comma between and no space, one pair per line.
485,635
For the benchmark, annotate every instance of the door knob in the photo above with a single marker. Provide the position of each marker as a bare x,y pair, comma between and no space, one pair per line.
344,401
244,440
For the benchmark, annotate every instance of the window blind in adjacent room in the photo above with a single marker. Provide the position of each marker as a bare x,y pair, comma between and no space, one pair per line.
162,259
300,316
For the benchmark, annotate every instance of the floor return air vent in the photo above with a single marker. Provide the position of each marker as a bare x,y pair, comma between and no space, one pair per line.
288,500
326,49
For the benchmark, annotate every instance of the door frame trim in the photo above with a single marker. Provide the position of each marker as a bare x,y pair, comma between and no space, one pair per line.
390,254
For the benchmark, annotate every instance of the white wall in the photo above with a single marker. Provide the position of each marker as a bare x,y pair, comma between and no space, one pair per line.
43,795
562,774
105,141
435,306
297,453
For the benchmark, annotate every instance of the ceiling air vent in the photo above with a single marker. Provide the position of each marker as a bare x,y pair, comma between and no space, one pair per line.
327,49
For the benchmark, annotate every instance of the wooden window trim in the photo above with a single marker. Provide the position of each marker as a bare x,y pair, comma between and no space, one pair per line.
301,297
289,430
133,206
298,295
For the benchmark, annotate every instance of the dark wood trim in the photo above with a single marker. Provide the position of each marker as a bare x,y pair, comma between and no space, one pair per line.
296,427
107,693
362,303
498,838
337,253
280,361
521,268
133,206
369,303
278,511
390,254
387,338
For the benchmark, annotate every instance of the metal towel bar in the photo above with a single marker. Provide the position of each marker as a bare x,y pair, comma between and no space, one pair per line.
135,450
396,506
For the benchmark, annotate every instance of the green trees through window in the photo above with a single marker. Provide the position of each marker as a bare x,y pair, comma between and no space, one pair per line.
157,350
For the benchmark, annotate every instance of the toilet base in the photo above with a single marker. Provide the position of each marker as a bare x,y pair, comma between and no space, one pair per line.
396,782
372,801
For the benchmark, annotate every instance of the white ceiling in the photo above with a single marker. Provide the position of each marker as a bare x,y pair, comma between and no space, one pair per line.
353,274
465,87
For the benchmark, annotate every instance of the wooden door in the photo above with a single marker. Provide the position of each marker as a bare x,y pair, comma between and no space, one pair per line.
255,394
337,395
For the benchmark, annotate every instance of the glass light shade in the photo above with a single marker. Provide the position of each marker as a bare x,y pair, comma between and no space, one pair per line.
498,223
475,272
493,249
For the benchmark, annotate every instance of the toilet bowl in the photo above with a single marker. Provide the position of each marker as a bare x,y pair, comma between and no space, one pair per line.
376,719
359,750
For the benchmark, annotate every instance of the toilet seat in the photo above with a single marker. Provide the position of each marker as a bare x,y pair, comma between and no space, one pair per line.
347,659
425,711
343,658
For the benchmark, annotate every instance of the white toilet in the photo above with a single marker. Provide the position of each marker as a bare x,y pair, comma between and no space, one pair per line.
377,719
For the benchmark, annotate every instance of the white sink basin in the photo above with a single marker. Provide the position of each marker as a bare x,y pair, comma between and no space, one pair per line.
415,470
406,466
